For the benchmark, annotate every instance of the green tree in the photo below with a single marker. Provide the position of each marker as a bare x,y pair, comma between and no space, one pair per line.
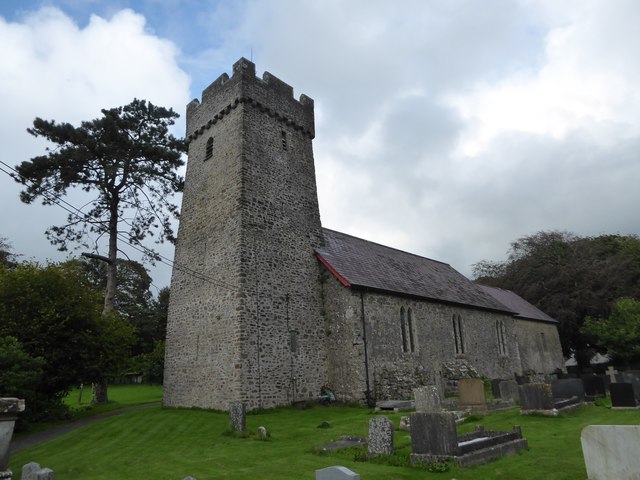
569,277
55,315
128,159
7,257
619,334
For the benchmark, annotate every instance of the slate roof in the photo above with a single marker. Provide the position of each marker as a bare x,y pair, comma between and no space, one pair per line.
359,263
518,304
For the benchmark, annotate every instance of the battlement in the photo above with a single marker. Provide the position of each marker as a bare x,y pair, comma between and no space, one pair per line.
269,94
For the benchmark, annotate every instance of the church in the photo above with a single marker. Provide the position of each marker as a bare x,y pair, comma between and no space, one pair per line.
267,306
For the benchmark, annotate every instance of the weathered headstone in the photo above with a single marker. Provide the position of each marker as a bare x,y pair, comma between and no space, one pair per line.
632,377
237,417
509,390
336,473
567,388
427,399
594,386
471,394
622,395
9,409
434,434
536,396
33,471
380,440
611,451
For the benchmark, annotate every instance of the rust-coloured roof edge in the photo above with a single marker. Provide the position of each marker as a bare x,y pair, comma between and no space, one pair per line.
333,271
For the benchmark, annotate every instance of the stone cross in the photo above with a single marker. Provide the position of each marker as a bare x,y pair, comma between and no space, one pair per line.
380,439
612,374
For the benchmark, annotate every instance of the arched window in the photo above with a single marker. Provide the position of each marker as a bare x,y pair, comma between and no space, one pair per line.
208,153
458,334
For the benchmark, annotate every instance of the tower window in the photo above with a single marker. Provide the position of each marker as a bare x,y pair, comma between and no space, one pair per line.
458,334
208,153
283,135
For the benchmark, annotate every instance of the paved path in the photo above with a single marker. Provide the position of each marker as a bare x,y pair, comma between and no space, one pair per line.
46,435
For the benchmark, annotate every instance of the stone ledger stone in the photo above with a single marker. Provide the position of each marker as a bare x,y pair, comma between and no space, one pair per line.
380,441
336,473
611,452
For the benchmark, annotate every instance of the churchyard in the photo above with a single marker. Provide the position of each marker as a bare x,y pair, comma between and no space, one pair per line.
156,443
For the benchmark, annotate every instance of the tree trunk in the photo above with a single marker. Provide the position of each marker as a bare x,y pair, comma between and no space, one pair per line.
101,392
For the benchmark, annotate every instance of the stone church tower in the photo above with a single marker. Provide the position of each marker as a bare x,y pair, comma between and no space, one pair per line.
245,316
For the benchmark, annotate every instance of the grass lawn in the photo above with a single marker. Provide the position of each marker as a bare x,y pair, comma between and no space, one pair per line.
157,443
120,396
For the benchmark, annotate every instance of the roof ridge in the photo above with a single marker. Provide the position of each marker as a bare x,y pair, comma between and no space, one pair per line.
390,248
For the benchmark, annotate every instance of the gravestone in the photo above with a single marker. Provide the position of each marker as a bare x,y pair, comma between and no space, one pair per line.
611,451
471,394
33,471
9,409
509,390
611,373
567,388
495,387
434,434
237,417
427,399
594,386
632,377
536,396
336,473
622,395
380,440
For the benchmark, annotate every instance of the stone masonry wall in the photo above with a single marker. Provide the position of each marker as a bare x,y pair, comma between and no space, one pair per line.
252,330
540,347
393,373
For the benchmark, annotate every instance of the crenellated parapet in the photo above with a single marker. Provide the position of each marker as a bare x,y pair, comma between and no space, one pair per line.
268,94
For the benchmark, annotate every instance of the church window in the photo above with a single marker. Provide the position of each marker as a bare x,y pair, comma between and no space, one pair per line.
458,334
412,345
293,340
500,333
209,149
284,139
403,327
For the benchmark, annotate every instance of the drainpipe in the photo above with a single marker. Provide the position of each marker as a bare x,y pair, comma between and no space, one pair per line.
367,392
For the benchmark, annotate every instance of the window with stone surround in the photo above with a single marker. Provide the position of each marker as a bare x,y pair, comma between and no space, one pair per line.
500,334
458,334
406,326
412,343
208,153
403,328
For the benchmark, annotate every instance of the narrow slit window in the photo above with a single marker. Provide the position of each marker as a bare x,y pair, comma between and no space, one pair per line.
208,153
500,333
458,334
412,344
403,328
283,136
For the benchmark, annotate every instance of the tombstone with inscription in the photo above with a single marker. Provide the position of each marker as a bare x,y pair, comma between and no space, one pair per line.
622,395
380,440
237,417
611,451
427,399
471,394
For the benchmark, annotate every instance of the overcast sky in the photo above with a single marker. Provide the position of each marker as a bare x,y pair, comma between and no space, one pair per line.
445,128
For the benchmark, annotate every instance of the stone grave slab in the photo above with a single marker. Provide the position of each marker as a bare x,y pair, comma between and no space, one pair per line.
471,394
336,473
427,399
622,395
380,439
345,441
509,390
594,386
395,405
567,388
237,417
611,451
